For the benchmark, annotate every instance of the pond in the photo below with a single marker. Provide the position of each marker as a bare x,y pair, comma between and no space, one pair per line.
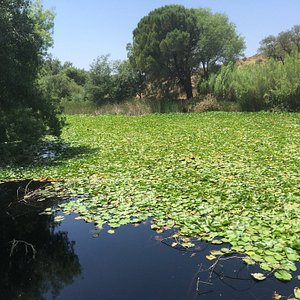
44,259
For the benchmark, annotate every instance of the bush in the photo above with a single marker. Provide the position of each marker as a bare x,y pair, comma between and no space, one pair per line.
268,86
209,103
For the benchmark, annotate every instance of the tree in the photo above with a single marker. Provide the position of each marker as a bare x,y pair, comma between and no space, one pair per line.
112,80
164,43
99,85
172,41
26,114
270,48
295,37
79,76
283,44
218,41
126,82
62,81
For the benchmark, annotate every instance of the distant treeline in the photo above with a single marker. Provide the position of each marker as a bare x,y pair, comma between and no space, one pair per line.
265,84
270,82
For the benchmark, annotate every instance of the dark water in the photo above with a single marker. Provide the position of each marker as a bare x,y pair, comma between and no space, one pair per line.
64,261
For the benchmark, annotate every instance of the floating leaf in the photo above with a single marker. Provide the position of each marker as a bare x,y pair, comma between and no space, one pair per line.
187,244
59,218
297,292
265,267
210,257
249,261
111,231
283,275
276,296
270,259
258,276
225,250
216,252
292,256
154,226
216,242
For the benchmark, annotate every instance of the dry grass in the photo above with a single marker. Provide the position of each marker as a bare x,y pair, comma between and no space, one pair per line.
130,107
255,59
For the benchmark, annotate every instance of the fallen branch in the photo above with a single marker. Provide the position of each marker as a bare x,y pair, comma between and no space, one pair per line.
27,245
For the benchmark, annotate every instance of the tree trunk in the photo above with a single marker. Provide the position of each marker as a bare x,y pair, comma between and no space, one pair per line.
205,70
188,88
187,85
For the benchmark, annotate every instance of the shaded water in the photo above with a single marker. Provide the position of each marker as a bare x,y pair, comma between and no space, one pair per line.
64,261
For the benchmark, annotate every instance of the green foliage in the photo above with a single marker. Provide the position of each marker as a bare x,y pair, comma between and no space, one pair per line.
126,82
99,85
221,84
79,76
63,82
26,112
163,45
268,86
43,21
218,42
226,177
172,41
113,81
283,44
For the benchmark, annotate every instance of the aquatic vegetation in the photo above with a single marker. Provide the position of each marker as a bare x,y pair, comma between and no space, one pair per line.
222,177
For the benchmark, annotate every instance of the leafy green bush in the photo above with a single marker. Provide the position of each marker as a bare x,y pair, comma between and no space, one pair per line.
269,86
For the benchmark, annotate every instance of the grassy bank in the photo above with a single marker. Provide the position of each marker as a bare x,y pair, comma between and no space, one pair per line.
132,107
222,177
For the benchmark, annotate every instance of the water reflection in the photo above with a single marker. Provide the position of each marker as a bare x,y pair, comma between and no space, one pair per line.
134,263
34,257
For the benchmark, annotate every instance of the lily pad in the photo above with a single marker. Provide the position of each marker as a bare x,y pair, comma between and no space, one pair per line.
297,292
258,276
210,257
58,218
283,275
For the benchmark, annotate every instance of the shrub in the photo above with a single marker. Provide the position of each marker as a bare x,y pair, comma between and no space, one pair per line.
209,103
268,86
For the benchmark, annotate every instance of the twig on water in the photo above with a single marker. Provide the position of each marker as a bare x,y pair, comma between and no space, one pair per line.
27,245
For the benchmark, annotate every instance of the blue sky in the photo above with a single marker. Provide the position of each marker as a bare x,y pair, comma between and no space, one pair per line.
85,29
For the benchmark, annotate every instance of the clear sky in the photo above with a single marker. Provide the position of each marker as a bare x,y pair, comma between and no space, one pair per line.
85,29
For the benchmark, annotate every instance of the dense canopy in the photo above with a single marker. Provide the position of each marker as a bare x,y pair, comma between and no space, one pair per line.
172,41
26,114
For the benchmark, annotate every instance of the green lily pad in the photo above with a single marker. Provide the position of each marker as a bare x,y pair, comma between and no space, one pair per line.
249,261
283,275
216,242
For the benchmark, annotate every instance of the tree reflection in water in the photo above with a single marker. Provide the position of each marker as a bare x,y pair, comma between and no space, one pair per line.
24,275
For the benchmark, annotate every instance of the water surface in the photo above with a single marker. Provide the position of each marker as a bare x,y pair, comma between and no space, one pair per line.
43,259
